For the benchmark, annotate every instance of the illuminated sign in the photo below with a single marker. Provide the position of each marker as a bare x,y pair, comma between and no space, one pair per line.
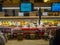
56,7
26,7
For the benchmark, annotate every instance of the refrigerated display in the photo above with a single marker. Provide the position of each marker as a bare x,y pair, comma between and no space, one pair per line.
28,26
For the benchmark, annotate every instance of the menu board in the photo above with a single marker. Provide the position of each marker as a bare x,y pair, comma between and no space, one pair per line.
56,7
26,7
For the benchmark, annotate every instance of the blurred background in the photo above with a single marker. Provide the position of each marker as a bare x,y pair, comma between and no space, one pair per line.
23,28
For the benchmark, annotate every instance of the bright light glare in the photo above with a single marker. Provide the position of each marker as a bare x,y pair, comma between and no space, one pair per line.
46,0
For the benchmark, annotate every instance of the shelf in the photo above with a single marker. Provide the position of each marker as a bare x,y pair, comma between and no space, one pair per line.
31,17
19,17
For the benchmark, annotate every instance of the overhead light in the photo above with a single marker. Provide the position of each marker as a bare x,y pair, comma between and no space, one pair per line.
46,0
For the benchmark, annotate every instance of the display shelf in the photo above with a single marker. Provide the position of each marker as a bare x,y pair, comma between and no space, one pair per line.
32,17
19,17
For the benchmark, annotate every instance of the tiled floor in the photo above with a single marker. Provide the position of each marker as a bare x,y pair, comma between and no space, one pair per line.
28,42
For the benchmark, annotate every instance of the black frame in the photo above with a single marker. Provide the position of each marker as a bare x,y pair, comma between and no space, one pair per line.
24,1
0,7
35,1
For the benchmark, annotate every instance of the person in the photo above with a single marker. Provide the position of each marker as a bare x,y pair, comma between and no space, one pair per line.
2,39
56,40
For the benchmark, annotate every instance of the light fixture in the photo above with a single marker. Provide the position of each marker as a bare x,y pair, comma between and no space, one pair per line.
46,0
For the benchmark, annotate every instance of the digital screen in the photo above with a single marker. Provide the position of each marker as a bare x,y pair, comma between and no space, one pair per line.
26,7
56,7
